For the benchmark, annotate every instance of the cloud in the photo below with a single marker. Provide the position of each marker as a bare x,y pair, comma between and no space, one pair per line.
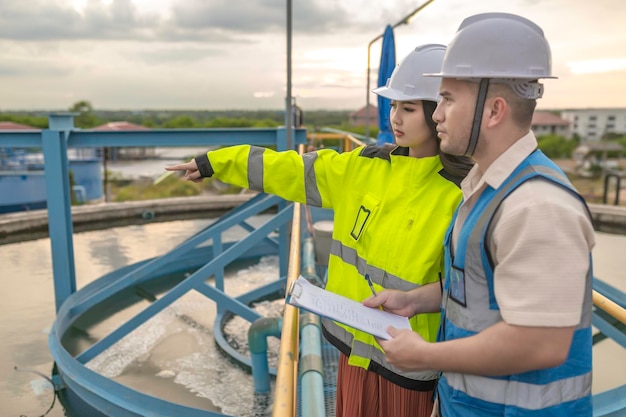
167,56
218,21
593,66
27,69
217,54
338,85
39,20
263,94
263,16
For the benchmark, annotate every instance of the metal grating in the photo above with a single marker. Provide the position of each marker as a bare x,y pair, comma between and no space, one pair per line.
330,357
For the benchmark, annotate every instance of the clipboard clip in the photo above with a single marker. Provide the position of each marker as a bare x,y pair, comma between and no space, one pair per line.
295,291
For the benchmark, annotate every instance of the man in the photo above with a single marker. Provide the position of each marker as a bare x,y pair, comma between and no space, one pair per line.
515,337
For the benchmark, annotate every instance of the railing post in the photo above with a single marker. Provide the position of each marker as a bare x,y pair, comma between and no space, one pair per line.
58,194
605,195
286,369
284,230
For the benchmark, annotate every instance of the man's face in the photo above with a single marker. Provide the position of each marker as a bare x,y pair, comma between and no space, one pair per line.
454,114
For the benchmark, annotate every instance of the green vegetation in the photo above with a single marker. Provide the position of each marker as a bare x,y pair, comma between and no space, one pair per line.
171,186
591,183
86,117
38,121
555,146
359,130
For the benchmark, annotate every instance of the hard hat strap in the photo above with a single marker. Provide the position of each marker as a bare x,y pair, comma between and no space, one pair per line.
478,115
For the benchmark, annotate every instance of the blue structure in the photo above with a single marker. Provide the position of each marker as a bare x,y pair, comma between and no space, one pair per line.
22,177
387,65
88,393
22,190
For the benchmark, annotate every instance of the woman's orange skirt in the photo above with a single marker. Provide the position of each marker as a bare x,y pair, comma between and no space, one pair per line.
361,393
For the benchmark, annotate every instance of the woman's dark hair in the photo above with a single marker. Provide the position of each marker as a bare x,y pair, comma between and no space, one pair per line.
456,166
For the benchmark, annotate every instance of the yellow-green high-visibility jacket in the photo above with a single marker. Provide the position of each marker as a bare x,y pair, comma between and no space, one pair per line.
391,212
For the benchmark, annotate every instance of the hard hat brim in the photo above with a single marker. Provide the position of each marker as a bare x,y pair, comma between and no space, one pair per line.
492,76
396,95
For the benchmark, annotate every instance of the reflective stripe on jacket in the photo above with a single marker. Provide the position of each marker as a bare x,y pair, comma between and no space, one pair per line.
470,306
390,216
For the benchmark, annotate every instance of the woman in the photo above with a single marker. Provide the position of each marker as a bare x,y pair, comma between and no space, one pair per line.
392,205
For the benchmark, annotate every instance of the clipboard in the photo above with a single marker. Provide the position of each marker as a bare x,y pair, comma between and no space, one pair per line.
374,321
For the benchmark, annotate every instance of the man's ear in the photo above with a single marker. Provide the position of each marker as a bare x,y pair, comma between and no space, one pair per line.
495,111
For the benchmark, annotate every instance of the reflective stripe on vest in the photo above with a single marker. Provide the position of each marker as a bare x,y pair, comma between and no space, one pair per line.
255,168
256,176
379,276
375,355
313,196
520,394
354,346
469,306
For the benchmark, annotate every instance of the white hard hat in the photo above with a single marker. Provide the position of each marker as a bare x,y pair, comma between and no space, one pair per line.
407,82
497,46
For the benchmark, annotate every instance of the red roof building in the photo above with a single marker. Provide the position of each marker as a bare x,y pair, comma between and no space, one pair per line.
547,123
120,126
358,117
126,152
16,126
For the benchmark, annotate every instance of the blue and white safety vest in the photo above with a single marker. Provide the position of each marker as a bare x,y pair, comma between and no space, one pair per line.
469,306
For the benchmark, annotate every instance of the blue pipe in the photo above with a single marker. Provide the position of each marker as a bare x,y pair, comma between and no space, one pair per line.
259,330
308,262
311,367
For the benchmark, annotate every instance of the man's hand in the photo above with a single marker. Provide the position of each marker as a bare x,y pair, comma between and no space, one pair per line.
190,168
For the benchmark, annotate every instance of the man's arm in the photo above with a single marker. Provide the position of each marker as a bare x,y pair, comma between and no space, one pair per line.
502,349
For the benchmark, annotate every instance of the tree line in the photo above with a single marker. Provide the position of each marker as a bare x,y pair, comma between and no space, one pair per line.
87,117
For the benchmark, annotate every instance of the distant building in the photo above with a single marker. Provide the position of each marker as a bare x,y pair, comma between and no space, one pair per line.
23,184
547,123
359,117
115,153
593,124
589,154
15,126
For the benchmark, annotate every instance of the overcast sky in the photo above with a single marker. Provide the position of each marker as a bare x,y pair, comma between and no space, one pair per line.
231,54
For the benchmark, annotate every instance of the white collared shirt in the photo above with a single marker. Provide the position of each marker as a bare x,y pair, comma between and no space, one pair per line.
540,243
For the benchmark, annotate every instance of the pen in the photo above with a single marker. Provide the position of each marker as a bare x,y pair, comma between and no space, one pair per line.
369,282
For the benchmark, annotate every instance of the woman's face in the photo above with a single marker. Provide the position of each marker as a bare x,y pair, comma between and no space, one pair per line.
410,129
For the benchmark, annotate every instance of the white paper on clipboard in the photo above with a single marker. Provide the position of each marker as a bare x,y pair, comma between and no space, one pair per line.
374,321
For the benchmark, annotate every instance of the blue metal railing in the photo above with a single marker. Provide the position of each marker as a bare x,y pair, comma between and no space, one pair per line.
62,135
188,255
104,395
